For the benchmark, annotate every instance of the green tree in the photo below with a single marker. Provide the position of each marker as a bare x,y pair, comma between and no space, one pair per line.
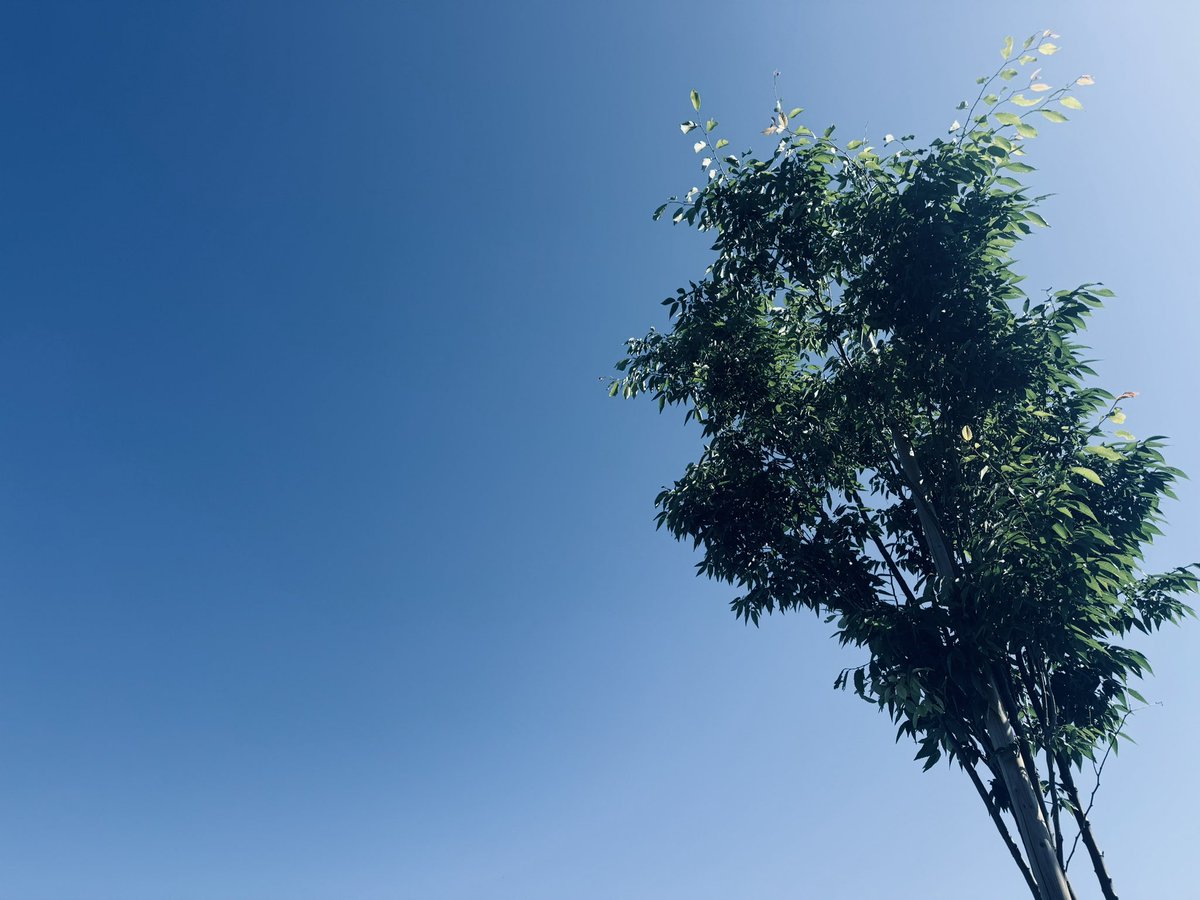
899,439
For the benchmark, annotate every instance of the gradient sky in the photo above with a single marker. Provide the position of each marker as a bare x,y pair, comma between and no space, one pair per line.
327,567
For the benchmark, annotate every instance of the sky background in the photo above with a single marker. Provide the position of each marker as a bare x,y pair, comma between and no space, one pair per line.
327,567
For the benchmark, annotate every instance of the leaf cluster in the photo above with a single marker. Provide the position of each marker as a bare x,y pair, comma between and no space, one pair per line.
860,351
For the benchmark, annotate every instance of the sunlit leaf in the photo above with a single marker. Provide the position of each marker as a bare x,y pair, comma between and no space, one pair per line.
967,434
1047,49
696,100
685,127
1071,103
1007,118
1053,115
1026,130
1007,50
1088,474
1022,100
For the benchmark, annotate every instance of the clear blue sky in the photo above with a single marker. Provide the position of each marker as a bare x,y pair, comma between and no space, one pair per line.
327,568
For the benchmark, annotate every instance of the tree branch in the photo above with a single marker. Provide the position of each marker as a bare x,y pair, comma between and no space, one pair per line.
998,820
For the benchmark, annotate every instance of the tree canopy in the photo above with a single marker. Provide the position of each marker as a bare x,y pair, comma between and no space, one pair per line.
900,439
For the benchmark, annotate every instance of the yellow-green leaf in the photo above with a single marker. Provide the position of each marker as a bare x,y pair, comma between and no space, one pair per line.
1048,49
1026,131
1104,452
967,434
1071,103
1007,118
695,100
1008,48
722,143
1022,100
1088,474
1036,219
1053,115
1117,418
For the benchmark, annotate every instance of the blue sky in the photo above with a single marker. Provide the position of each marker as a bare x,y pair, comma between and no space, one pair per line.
328,569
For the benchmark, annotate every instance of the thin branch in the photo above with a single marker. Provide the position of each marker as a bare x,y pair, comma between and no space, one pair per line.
998,820
1085,828
883,551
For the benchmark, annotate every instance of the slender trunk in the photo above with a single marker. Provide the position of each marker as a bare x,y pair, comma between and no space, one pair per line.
1085,830
1039,846
998,821
1031,825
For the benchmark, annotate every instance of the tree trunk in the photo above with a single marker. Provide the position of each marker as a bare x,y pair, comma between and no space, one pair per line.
1026,804
1035,835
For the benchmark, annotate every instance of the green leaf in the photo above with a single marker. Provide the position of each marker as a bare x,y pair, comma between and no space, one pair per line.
1022,100
795,112
1027,131
1047,49
1071,103
1053,115
1036,219
722,143
1125,435
854,145
1008,74
1007,118
1008,48
710,125
1117,418
695,100
1019,167
1026,59
1088,474
613,388
1104,452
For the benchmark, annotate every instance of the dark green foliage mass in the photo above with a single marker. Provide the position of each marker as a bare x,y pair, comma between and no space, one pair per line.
867,369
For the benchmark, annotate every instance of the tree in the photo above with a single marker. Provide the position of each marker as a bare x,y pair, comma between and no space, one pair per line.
899,439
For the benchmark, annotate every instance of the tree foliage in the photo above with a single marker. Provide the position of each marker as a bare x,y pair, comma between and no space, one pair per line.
900,439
